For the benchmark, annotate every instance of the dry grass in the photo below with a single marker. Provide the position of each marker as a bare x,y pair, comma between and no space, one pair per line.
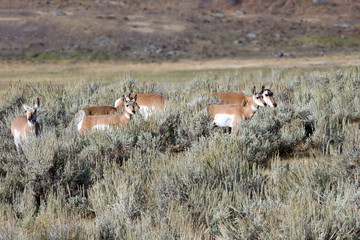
68,72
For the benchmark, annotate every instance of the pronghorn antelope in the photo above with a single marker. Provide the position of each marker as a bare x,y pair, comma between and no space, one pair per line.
104,110
229,115
25,126
149,103
103,122
243,99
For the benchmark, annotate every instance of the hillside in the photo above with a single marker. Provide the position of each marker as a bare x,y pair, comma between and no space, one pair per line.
171,30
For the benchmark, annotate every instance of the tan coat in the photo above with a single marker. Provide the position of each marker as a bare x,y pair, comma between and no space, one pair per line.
150,100
100,110
25,126
229,115
233,98
103,122
147,103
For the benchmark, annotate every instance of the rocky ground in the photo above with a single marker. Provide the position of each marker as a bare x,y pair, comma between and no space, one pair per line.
169,30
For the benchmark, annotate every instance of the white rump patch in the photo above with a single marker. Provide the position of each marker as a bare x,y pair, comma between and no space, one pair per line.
146,112
80,118
224,120
80,125
17,138
100,127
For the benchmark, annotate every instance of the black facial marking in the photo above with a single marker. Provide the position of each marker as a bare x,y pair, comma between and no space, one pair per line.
269,93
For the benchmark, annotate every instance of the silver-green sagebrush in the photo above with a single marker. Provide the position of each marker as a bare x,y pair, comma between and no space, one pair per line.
290,172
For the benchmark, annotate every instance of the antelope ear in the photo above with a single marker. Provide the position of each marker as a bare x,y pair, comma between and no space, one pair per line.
25,107
119,101
37,103
270,85
262,89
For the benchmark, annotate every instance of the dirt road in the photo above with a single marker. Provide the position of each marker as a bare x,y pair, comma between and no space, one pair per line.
326,61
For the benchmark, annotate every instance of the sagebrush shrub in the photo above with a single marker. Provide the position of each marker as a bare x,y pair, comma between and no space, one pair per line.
172,177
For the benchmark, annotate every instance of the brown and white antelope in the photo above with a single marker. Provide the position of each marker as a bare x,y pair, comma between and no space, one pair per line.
104,110
104,122
243,99
229,115
149,103
25,126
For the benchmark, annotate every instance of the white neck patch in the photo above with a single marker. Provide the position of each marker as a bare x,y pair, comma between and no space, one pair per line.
30,124
253,108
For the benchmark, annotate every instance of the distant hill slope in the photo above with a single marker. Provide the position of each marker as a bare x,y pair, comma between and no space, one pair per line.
169,30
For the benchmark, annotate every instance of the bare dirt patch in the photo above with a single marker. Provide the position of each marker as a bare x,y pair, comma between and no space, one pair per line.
158,24
308,62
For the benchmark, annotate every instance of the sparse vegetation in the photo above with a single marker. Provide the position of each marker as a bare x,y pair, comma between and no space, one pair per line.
288,173
168,30
322,41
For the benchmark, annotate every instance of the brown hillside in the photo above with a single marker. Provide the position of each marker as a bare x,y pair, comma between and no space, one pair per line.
171,30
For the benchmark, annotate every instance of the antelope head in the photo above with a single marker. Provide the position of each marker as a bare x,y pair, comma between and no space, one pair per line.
31,111
268,96
129,103
258,98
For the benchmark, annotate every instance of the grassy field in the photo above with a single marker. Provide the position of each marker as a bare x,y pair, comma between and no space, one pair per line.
109,72
291,172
